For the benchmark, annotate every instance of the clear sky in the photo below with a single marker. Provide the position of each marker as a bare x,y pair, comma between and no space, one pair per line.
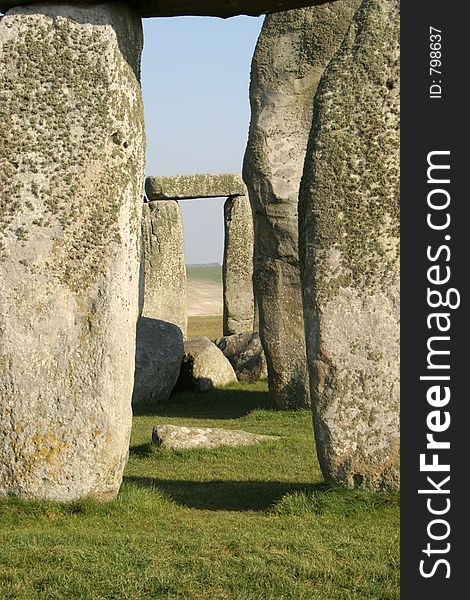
195,78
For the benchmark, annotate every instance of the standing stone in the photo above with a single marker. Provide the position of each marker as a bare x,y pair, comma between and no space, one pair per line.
71,172
165,295
237,269
349,254
293,50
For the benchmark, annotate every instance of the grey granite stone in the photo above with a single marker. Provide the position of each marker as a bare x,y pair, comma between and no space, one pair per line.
71,171
237,271
349,240
292,52
187,438
198,185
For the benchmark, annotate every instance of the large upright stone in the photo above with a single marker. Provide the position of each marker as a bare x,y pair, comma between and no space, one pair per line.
293,50
349,254
165,295
237,271
71,171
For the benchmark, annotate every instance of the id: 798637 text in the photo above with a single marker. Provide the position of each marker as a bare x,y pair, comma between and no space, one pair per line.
435,63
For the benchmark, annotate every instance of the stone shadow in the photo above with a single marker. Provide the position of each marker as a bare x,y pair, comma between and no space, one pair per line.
225,495
217,404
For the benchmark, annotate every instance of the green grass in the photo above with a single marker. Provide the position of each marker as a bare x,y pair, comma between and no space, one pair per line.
210,326
231,523
207,273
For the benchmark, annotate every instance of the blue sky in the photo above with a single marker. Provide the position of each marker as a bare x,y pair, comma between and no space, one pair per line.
195,78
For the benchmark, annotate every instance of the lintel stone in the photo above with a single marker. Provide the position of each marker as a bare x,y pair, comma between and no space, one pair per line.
201,8
181,187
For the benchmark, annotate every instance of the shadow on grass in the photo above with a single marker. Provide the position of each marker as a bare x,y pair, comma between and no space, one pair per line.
142,451
221,404
225,495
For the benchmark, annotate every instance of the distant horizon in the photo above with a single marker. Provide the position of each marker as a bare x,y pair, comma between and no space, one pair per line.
210,264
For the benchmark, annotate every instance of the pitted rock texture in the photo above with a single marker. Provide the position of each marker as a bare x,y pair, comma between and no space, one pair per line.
188,438
349,216
165,286
198,185
158,356
237,271
204,366
71,171
292,52
246,355
203,8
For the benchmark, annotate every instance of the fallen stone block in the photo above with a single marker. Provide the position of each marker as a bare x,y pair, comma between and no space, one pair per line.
246,355
159,351
186,438
204,366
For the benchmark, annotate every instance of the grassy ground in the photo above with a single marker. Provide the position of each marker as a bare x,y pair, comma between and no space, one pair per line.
208,273
210,326
231,523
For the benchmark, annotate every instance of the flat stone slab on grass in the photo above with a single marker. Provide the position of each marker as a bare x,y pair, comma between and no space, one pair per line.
199,185
184,438
202,8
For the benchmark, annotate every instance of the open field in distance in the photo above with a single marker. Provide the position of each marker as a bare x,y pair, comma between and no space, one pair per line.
204,290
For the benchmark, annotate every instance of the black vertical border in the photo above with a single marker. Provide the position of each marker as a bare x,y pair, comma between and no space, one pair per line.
429,125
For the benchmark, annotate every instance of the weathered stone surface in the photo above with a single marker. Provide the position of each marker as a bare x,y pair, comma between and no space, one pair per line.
186,438
71,171
203,8
158,356
237,271
349,254
204,366
165,294
292,52
199,185
246,355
